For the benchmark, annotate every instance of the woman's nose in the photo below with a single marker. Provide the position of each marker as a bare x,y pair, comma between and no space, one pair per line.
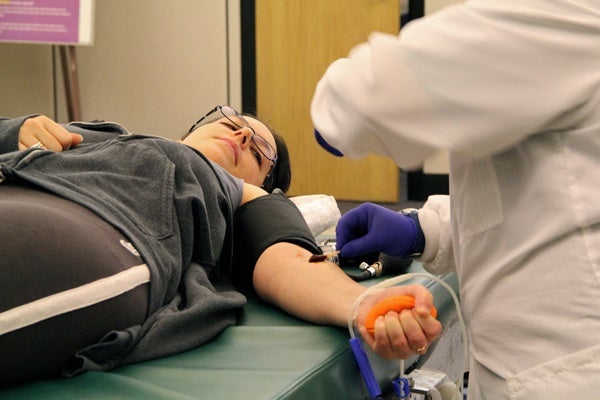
243,135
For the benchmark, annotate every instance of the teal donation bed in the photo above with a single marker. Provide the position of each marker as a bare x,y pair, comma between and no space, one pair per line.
267,355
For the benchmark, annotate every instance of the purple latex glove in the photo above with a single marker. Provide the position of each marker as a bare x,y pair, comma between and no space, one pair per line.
371,228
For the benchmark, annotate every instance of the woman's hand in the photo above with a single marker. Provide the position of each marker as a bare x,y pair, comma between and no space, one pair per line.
399,335
51,135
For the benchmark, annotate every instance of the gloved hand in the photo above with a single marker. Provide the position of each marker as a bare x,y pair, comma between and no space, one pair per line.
372,228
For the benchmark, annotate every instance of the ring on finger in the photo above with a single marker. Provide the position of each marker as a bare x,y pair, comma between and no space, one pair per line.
422,349
38,145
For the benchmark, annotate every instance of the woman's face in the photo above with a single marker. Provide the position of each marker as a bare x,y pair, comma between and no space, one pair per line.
232,148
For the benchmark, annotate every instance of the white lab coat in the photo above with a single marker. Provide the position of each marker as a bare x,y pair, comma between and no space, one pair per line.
512,90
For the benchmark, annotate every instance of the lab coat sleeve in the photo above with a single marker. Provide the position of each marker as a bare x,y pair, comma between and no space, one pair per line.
473,79
434,217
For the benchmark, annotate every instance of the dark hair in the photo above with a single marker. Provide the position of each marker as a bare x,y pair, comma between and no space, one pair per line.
281,175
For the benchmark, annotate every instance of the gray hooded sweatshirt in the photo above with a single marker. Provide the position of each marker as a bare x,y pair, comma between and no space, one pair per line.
172,203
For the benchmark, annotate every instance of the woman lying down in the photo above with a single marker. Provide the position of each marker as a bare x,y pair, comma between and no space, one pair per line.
119,248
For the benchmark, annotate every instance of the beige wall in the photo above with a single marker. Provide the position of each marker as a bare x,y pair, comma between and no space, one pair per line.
155,66
434,5
26,83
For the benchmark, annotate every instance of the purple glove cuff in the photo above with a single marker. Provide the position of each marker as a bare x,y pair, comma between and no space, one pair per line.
419,244
327,146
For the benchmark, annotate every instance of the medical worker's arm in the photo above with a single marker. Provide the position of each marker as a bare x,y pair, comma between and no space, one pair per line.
433,87
434,218
371,228
424,234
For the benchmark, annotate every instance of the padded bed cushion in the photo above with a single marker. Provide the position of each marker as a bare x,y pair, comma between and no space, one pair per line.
268,355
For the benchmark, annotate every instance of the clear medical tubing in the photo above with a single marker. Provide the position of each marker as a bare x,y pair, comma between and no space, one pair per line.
397,280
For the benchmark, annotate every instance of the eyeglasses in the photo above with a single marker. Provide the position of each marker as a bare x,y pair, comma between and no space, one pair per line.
232,115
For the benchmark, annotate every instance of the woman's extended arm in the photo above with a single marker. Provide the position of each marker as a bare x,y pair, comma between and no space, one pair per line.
318,292
322,293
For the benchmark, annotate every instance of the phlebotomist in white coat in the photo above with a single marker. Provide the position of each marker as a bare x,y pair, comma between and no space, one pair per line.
512,90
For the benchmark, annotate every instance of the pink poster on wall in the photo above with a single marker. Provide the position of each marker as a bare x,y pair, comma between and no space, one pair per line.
46,21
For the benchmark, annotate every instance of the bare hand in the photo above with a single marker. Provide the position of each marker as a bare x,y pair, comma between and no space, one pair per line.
401,335
48,133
